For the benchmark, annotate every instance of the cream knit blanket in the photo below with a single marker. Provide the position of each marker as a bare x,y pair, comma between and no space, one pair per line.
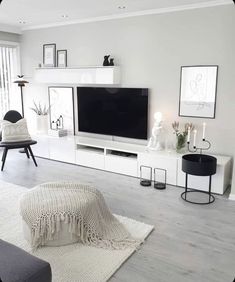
83,208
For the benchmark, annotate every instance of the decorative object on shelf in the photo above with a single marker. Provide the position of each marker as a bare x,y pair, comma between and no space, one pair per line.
145,171
58,123
106,60
53,125
111,62
199,165
58,132
49,55
154,142
181,137
41,117
195,148
61,101
61,121
62,58
21,83
198,91
160,185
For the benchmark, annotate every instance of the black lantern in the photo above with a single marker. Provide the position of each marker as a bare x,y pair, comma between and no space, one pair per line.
159,178
145,175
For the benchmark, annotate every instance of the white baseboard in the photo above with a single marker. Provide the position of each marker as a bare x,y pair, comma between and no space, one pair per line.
232,197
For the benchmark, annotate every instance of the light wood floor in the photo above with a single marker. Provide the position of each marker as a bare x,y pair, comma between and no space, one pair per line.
190,243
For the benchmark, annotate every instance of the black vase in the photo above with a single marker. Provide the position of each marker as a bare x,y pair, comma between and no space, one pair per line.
111,62
106,61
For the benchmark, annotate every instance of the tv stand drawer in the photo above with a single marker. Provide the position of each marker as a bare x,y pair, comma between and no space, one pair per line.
122,165
90,159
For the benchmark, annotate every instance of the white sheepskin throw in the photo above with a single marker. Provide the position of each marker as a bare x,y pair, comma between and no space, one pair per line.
15,132
83,208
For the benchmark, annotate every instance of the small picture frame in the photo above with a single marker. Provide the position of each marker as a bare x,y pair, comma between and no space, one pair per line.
62,58
198,91
49,55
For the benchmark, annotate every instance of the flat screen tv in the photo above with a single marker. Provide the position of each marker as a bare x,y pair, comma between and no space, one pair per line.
113,111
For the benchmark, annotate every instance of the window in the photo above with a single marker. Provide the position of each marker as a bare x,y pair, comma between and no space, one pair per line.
9,92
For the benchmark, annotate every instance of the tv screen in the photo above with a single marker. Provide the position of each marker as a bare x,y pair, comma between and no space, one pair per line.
113,111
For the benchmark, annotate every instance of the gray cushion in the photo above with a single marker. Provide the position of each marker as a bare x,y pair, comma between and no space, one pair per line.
16,265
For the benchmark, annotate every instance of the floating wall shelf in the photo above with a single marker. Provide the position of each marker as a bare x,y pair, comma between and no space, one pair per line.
79,75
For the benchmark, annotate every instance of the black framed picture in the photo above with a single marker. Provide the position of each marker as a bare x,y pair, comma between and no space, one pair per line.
62,58
198,87
49,55
61,104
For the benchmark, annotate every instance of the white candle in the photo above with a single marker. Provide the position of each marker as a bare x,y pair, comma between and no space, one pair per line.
189,133
194,137
203,130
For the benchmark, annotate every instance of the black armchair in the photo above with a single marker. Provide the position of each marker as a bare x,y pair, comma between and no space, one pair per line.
14,116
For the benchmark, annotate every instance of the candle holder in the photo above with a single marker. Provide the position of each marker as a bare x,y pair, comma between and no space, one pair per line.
145,180
195,148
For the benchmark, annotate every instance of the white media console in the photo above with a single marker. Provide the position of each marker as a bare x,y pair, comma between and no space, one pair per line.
126,158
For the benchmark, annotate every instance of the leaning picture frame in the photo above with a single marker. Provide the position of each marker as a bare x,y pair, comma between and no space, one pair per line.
62,58
61,104
198,90
49,55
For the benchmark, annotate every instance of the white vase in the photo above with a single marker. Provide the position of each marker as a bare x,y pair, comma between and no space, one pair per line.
42,124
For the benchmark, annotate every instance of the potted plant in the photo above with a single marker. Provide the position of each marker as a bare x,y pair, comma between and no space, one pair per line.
181,136
41,117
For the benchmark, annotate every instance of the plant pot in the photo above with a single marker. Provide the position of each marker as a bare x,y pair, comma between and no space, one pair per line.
42,124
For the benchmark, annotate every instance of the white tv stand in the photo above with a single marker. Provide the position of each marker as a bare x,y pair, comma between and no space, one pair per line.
108,155
126,158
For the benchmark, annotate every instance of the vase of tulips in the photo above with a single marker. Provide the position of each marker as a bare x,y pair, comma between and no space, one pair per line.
181,136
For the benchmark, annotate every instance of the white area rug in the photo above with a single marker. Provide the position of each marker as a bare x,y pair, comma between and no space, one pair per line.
72,263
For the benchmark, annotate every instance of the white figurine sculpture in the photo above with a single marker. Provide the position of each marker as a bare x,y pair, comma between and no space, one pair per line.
154,142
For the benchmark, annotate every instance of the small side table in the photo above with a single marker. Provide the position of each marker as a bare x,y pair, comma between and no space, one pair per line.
200,165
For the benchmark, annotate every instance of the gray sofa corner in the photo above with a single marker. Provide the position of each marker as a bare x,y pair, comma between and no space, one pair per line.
16,265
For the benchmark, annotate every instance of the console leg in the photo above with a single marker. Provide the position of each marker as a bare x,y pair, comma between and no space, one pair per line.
210,189
31,153
4,156
186,185
27,152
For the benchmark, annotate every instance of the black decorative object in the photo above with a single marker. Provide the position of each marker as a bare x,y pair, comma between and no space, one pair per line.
106,60
49,55
111,62
61,121
159,184
199,165
145,181
21,83
195,148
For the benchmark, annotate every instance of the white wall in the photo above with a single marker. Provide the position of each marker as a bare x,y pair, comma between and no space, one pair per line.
150,50
7,36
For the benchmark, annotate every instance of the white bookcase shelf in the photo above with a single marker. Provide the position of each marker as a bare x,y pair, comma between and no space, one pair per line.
91,75
126,158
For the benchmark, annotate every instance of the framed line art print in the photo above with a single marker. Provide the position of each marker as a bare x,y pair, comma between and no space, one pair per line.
198,89
61,104
62,58
49,55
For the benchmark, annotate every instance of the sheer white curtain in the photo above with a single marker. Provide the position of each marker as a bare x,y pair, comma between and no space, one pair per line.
9,96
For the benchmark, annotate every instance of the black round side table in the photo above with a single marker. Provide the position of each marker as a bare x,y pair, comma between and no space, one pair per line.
199,165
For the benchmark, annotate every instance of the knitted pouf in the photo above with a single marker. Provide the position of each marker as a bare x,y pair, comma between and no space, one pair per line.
61,213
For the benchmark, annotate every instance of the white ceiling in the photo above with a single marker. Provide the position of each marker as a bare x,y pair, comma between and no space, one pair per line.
33,14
